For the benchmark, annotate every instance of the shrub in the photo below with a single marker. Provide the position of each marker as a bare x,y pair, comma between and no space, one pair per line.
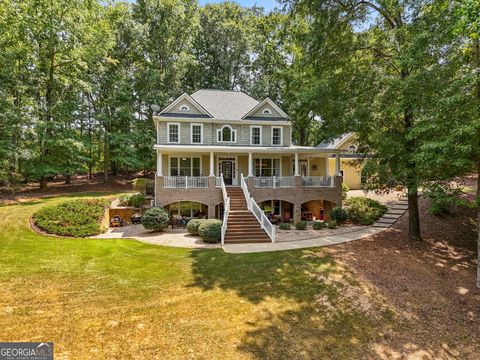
443,197
364,210
192,225
124,200
332,224
285,226
318,225
301,225
140,184
210,230
78,218
339,214
345,190
155,219
136,200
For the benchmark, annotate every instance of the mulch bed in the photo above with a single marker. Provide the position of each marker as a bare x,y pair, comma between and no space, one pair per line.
431,284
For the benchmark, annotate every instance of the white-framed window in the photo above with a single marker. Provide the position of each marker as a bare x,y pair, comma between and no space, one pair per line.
267,111
185,166
184,108
266,167
196,133
226,134
255,135
173,133
277,135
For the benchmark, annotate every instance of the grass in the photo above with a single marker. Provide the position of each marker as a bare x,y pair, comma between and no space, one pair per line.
124,299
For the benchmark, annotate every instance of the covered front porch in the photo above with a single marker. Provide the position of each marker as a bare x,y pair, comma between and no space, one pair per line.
270,168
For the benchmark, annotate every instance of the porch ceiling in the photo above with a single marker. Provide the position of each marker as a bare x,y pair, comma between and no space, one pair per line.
246,149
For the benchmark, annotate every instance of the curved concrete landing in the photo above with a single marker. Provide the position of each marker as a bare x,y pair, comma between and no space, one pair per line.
301,244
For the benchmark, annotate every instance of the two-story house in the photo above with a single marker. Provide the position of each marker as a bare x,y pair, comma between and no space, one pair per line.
223,154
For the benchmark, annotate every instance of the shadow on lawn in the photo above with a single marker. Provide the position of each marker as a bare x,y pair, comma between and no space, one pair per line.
331,315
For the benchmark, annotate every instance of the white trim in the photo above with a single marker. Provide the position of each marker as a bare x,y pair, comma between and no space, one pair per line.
201,133
267,111
232,131
184,108
272,104
246,149
251,134
185,156
219,121
168,133
190,100
221,158
281,135
279,158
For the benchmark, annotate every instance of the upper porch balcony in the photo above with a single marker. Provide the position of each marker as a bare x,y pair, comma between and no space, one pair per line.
258,182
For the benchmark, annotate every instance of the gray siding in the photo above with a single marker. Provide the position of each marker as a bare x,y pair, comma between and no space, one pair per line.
210,133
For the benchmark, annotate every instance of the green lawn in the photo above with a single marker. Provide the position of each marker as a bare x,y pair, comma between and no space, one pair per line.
124,299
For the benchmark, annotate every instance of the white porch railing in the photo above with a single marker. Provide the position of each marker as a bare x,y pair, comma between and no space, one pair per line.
255,209
226,208
185,182
273,182
318,181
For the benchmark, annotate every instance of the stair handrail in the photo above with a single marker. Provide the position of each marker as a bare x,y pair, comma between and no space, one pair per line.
255,209
226,208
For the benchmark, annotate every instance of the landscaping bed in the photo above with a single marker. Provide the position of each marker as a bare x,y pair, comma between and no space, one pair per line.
76,218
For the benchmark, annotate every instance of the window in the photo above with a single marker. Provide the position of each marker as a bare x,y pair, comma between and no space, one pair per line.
255,135
187,209
267,111
184,108
267,167
226,134
277,136
352,148
173,132
196,133
185,166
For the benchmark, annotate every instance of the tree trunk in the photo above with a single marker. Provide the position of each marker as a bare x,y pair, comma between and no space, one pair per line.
413,216
478,223
43,183
105,157
68,179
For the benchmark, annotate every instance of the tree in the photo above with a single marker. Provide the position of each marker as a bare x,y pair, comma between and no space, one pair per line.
373,65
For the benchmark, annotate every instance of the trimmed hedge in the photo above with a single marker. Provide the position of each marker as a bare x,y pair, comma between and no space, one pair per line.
210,230
192,225
339,214
135,200
155,219
318,225
285,226
363,210
332,224
301,225
77,218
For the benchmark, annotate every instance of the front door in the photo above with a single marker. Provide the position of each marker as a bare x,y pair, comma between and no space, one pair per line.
227,171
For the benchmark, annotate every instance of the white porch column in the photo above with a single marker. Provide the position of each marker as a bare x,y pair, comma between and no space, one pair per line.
337,165
297,167
159,163
250,164
212,167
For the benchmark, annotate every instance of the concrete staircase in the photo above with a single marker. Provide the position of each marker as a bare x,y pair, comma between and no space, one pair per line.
393,214
242,226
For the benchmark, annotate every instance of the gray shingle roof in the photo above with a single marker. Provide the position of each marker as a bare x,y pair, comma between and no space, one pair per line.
334,143
225,104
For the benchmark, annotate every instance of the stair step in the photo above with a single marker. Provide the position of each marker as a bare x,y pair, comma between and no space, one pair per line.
386,220
381,225
252,237
391,216
395,212
250,241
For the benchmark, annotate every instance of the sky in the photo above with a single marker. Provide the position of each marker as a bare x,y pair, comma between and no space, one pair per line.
267,4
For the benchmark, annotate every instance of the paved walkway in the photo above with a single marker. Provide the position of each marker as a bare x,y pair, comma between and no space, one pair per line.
301,244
